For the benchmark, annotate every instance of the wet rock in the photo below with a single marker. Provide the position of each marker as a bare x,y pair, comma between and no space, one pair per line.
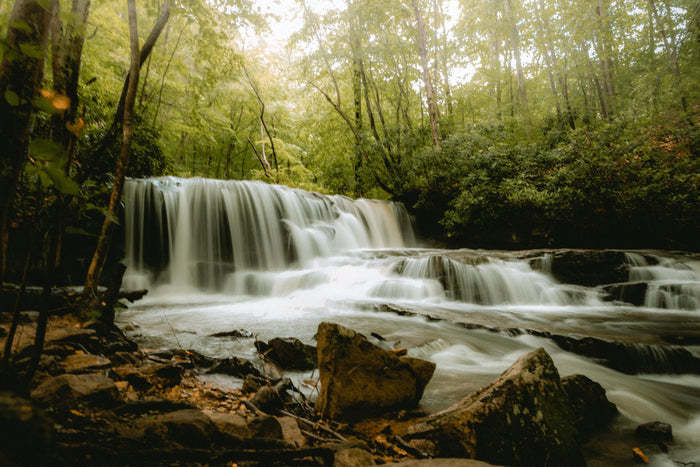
590,267
289,353
358,378
235,366
68,390
236,333
654,431
591,407
633,293
523,418
269,398
253,383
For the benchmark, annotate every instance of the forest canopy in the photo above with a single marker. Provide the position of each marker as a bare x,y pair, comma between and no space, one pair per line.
499,123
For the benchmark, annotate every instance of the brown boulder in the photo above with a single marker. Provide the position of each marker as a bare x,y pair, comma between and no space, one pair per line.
66,390
591,407
358,378
523,418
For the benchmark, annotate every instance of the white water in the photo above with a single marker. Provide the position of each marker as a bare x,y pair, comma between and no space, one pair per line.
219,256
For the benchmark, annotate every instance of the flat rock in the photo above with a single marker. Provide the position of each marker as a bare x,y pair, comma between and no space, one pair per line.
85,362
442,462
289,353
359,379
66,390
353,457
523,418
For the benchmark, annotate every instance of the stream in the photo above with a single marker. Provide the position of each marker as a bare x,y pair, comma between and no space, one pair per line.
275,262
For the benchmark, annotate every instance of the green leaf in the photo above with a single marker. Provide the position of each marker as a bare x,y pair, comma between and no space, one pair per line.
42,149
61,181
72,230
32,51
21,26
12,98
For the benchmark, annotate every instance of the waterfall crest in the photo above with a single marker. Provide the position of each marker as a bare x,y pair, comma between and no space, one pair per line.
195,232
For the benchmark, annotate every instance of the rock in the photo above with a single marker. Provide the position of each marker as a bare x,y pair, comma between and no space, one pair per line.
235,366
269,398
265,426
353,457
523,418
654,431
67,390
590,267
253,383
189,427
289,353
592,409
633,293
444,462
291,434
85,362
236,333
231,425
358,378
27,436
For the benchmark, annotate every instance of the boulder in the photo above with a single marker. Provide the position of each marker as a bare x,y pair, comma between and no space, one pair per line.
524,418
67,390
590,267
591,407
189,427
654,431
231,425
289,353
358,378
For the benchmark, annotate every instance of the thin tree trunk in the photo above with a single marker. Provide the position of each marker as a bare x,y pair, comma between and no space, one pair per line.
515,40
105,238
671,53
19,80
423,51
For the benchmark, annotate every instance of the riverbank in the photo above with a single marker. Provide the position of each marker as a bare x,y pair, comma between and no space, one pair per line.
98,399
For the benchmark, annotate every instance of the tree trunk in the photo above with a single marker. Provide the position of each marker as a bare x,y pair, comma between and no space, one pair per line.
423,50
671,53
20,76
515,40
105,238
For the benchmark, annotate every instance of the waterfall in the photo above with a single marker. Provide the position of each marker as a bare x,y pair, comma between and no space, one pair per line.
196,233
492,281
672,283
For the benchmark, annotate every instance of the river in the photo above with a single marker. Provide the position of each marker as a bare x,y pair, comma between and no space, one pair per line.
275,262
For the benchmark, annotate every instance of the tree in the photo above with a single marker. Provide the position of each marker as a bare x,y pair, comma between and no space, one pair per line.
99,258
20,74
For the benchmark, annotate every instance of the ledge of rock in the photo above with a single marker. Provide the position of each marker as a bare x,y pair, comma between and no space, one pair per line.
359,379
523,418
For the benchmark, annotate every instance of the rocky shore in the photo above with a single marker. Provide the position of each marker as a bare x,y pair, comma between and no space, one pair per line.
98,399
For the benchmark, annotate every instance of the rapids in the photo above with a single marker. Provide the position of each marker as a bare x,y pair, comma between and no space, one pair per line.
274,261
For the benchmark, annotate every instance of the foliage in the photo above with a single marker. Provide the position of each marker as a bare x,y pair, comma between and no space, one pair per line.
621,184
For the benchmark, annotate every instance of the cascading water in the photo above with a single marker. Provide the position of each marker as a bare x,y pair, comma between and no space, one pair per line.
222,255
206,230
